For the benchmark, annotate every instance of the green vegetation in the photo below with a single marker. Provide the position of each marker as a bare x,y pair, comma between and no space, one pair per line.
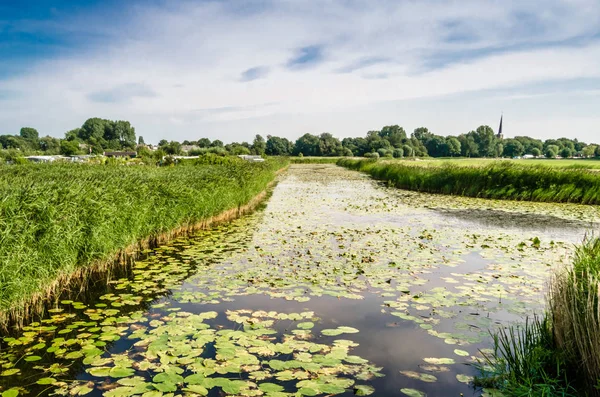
58,218
498,180
314,160
559,355
477,162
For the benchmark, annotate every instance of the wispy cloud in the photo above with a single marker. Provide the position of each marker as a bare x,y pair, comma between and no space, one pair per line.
254,73
121,93
159,62
306,57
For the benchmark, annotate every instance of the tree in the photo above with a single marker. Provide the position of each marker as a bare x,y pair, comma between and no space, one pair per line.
307,144
468,146
486,141
277,146
551,151
422,134
69,148
163,142
589,150
536,152
203,142
513,148
398,153
172,148
29,133
394,134
597,151
329,145
408,151
436,145
123,133
216,143
141,140
566,152
50,145
453,146
259,145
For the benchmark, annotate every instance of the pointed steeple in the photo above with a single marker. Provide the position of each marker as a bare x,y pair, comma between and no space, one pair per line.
499,135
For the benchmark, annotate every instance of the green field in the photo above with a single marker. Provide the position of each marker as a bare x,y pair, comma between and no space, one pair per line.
561,163
58,218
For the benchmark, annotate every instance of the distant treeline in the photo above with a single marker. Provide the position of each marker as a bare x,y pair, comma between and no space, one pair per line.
98,135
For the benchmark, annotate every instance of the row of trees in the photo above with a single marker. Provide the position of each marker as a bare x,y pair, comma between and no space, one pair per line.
97,135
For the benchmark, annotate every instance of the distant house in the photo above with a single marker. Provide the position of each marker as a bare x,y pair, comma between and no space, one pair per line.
528,156
249,157
45,159
188,148
130,155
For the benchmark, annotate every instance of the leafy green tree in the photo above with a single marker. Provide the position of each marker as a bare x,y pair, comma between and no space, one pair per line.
203,142
513,148
307,144
172,148
536,152
486,141
436,145
566,152
216,143
453,146
597,153
551,151
29,133
50,145
394,134
329,145
408,151
398,153
277,146
69,148
259,145
422,134
141,140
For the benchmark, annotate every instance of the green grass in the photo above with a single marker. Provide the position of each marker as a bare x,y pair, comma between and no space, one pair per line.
478,162
314,160
497,180
57,218
559,355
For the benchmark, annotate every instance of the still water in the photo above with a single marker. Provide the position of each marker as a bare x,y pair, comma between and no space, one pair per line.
337,286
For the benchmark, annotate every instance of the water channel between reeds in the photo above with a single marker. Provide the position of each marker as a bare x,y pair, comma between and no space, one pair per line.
337,286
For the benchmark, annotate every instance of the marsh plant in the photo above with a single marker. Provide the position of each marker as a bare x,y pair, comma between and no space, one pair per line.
558,355
58,219
498,180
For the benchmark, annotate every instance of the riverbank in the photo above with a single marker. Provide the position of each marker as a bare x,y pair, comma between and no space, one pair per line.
498,180
558,354
61,222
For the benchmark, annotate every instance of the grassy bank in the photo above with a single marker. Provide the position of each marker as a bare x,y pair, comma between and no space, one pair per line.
592,163
498,180
314,160
558,355
57,219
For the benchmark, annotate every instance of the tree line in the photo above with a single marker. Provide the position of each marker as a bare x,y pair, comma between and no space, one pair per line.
97,135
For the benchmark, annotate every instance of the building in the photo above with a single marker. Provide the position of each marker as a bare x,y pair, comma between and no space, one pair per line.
500,135
125,154
249,157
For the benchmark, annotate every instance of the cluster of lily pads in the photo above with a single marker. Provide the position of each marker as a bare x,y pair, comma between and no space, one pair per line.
327,232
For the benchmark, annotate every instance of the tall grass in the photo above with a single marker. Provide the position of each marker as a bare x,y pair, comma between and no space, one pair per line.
559,355
498,180
57,218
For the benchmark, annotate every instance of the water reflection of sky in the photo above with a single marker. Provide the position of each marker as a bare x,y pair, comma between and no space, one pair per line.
327,201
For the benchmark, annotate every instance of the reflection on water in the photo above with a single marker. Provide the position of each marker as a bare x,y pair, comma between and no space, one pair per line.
338,281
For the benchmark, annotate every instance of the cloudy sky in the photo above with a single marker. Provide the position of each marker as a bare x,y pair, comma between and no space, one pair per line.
231,69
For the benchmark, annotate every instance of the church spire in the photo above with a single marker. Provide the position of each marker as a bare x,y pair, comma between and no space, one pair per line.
499,135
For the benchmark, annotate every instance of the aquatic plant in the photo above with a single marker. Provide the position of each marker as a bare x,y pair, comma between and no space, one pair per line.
558,355
498,180
60,218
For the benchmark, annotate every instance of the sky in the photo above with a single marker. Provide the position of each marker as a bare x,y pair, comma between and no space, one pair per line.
182,70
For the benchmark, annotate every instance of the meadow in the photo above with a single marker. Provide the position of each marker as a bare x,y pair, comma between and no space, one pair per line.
56,219
593,163
497,180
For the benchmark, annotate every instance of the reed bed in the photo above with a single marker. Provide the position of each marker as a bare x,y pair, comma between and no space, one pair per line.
58,219
498,180
558,355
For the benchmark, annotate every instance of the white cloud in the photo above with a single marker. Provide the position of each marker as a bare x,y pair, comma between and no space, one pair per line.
174,63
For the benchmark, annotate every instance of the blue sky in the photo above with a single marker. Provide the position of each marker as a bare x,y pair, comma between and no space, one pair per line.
232,69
